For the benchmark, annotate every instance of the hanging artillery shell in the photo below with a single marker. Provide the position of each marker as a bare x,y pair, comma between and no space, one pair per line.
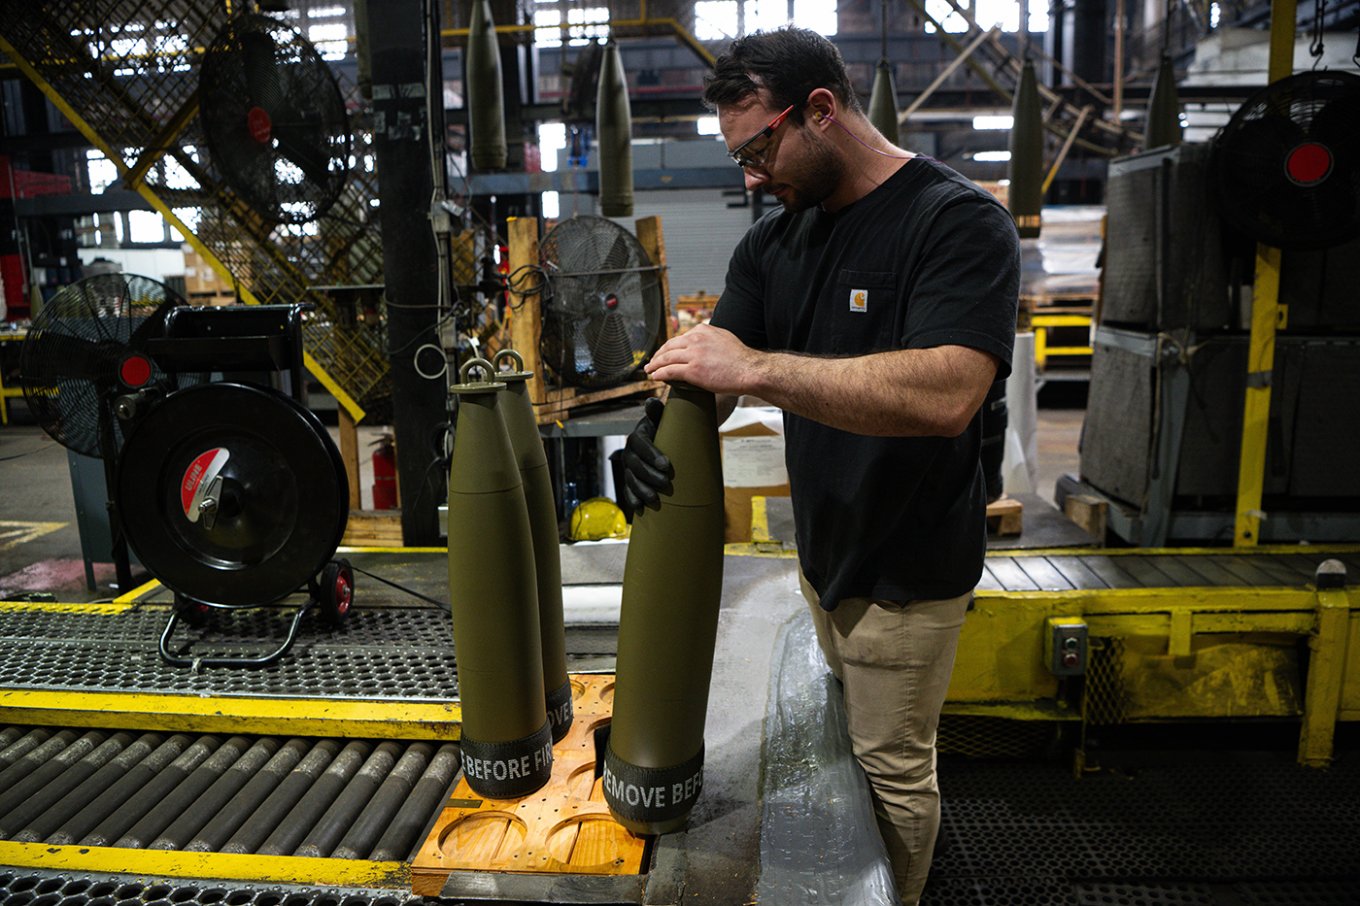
1026,193
672,583
538,497
614,132
486,105
1164,108
883,102
507,740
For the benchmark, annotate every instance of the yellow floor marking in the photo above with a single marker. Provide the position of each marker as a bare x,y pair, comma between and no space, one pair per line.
13,534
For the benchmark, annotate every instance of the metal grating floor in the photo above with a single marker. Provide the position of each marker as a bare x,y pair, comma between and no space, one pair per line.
389,653
19,888
1248,831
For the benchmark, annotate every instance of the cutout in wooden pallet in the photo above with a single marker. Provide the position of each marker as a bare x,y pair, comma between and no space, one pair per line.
564,828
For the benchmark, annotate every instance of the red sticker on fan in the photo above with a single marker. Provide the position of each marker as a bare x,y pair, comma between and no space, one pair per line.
1308,164
198,477
260,126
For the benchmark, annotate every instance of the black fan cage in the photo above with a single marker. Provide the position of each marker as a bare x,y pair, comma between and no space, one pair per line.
1287,165
71,357
602,305
274,119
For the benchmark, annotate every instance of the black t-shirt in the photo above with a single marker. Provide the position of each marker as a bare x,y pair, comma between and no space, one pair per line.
926,259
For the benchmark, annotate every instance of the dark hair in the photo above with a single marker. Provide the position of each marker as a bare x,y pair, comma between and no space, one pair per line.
789,62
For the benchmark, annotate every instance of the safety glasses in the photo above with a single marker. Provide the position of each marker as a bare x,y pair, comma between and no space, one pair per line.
745,156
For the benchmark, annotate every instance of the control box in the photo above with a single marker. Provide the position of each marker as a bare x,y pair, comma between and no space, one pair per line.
1066,647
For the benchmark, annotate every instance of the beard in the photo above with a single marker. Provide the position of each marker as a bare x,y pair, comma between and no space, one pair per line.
810,180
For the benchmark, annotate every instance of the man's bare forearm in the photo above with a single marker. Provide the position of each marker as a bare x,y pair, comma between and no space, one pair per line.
901,393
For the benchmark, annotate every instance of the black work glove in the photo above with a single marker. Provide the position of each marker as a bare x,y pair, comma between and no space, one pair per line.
646,470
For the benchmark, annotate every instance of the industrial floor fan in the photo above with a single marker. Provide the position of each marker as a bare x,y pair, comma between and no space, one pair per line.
230,492
602,311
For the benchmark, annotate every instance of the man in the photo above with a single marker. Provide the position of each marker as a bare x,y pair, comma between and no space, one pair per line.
875,308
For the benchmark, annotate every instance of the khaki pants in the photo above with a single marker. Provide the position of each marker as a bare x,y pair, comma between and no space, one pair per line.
894,663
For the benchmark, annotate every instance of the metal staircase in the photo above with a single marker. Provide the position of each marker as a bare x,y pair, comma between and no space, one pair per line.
125,73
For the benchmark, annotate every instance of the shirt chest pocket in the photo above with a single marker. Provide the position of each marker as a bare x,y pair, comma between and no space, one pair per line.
864,309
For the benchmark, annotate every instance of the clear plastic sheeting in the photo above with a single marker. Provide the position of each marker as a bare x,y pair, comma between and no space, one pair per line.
819,842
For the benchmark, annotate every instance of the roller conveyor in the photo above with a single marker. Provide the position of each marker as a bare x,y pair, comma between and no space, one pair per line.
307,704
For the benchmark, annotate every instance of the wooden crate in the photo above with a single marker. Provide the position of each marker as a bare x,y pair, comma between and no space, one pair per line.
526,326
1005,517
564,828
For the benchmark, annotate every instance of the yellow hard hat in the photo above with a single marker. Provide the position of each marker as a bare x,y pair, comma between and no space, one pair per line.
596,518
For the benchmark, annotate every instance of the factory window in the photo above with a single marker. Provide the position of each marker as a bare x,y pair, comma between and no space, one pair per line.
763,15
146,227
330,39
719,20
103,172
1004,14
552,205
816,15
715,20
545,35
583,25
552,137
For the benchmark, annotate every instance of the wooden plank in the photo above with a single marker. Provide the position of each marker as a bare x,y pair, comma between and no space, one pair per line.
1075,571
1005,517
349,454
526,321
653,242
563,828
1044,574
1110,570
373,528
1010,575
561,404
1089,512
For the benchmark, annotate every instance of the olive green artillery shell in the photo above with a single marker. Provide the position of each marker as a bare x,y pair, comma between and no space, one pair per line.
883,102
1164,108
1026,193
492,590
538,495
486,107
614,131
672,585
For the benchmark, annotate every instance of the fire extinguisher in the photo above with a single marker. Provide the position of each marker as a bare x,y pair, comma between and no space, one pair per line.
385,473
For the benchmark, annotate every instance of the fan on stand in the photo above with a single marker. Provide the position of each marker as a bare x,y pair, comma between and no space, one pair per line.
85,351
274,118
1288,162
603,309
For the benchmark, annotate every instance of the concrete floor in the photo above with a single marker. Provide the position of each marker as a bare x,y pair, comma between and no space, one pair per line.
40,545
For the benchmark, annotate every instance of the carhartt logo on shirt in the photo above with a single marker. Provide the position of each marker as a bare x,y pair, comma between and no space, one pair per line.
859,300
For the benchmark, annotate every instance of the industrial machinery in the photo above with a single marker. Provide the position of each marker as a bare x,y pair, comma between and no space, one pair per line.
274,119
1163,435
602,309
229,492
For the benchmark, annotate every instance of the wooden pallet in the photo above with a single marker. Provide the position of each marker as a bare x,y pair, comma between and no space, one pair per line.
559,403
564,828
1005,517
373,528
552,403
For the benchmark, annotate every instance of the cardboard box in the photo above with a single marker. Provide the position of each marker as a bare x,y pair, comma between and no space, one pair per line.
752,442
